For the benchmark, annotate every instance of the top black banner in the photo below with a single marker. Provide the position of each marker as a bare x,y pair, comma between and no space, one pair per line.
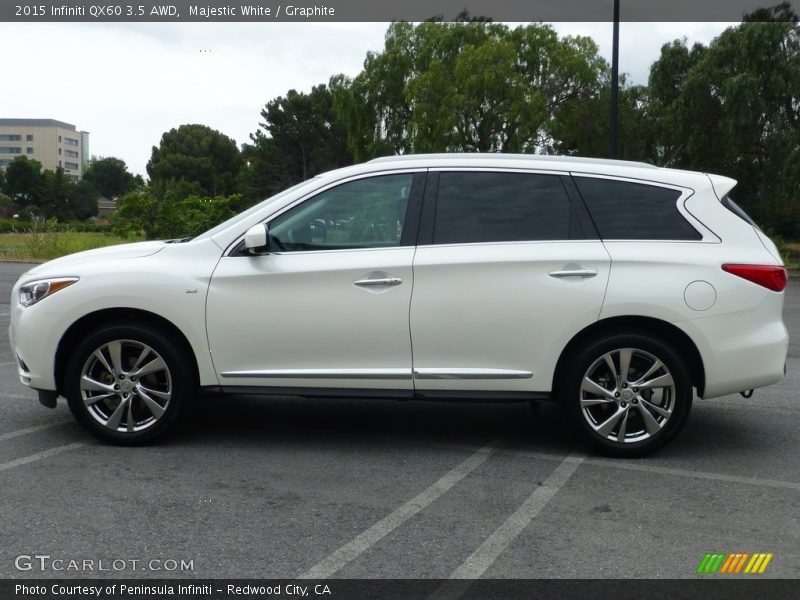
177,11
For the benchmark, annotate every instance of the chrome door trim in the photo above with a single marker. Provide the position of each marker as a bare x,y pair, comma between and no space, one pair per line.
460,373
321,374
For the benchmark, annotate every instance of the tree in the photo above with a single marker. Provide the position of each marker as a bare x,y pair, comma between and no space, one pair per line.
300,137
55,201
83,200
265,172
24,181
198,155
583,128
734,108
64,200
665,99
474,86
6,206
110,177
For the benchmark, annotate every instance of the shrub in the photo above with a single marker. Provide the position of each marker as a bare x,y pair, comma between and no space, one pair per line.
142,212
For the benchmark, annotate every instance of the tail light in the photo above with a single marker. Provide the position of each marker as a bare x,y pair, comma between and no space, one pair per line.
771,277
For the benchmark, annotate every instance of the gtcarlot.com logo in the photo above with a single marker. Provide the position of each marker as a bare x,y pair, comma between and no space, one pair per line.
733,563
46,562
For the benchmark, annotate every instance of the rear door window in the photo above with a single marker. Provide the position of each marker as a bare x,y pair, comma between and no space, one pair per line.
477,207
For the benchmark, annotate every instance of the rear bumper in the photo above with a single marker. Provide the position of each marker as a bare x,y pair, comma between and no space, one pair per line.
742,350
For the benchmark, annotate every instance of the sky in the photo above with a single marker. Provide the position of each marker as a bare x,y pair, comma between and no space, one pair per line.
128,83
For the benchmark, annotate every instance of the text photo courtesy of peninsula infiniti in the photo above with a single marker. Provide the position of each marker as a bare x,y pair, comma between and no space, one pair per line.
619,290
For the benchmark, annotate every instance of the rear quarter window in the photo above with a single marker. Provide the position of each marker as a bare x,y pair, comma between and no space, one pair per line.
728,203
622,210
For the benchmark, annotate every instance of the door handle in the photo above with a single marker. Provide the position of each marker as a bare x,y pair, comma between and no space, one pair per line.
573,273
378,281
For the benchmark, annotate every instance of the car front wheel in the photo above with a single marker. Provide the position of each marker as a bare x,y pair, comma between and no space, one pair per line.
127,383
627,395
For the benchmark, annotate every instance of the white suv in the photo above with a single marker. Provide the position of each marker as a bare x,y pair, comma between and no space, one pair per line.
618,289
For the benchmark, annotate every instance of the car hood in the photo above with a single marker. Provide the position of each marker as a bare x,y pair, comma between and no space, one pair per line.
62,266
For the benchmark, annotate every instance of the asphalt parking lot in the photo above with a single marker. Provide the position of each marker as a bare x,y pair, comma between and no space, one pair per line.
284,488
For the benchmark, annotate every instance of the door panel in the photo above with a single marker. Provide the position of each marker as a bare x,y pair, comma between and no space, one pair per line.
328,306
508,271
300,320
496,307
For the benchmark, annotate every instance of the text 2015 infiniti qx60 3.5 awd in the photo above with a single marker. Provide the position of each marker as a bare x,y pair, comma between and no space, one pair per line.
620,290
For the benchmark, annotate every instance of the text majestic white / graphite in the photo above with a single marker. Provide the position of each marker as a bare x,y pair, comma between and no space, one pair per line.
250,10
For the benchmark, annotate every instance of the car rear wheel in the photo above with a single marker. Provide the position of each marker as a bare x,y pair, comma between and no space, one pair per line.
627,395
127,383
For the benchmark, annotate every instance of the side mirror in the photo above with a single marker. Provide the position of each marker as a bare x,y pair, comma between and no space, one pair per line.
256,240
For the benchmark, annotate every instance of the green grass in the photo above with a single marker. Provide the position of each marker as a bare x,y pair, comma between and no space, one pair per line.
48,245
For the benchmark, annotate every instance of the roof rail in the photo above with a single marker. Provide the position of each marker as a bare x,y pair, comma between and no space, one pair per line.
499,156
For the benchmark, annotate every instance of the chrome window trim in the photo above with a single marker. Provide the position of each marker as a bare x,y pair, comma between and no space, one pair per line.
520,170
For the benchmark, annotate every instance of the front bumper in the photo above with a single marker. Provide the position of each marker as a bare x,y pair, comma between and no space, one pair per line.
34,336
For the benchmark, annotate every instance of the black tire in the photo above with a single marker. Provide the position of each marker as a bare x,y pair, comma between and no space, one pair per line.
156,399
591,413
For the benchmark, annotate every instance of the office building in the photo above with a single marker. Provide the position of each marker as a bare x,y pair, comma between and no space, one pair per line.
53,143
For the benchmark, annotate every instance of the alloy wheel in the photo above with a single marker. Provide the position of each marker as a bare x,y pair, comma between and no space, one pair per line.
126,386
627,395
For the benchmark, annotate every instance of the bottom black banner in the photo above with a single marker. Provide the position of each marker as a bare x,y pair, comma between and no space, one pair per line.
375,589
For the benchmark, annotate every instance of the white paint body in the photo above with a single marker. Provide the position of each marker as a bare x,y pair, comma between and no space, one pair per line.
486,316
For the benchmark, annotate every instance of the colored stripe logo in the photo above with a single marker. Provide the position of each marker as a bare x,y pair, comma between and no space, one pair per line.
734,563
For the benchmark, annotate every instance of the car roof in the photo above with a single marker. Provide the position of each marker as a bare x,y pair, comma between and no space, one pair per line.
576,165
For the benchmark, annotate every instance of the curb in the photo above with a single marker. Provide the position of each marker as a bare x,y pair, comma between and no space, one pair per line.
31,261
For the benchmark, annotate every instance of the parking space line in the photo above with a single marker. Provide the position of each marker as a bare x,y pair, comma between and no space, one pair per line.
677,472
757,481
40,455
639,466
725,403
488,552
27,430
17,397
338,559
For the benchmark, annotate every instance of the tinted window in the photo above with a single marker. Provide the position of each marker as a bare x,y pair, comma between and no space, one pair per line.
728,203
634,211
367,213
501,207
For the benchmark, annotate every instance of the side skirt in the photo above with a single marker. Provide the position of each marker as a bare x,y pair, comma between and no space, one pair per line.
380,394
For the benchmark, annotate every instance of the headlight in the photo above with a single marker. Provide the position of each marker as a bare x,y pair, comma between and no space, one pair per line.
31,293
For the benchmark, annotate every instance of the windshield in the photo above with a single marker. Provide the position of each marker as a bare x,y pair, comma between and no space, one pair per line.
253,209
